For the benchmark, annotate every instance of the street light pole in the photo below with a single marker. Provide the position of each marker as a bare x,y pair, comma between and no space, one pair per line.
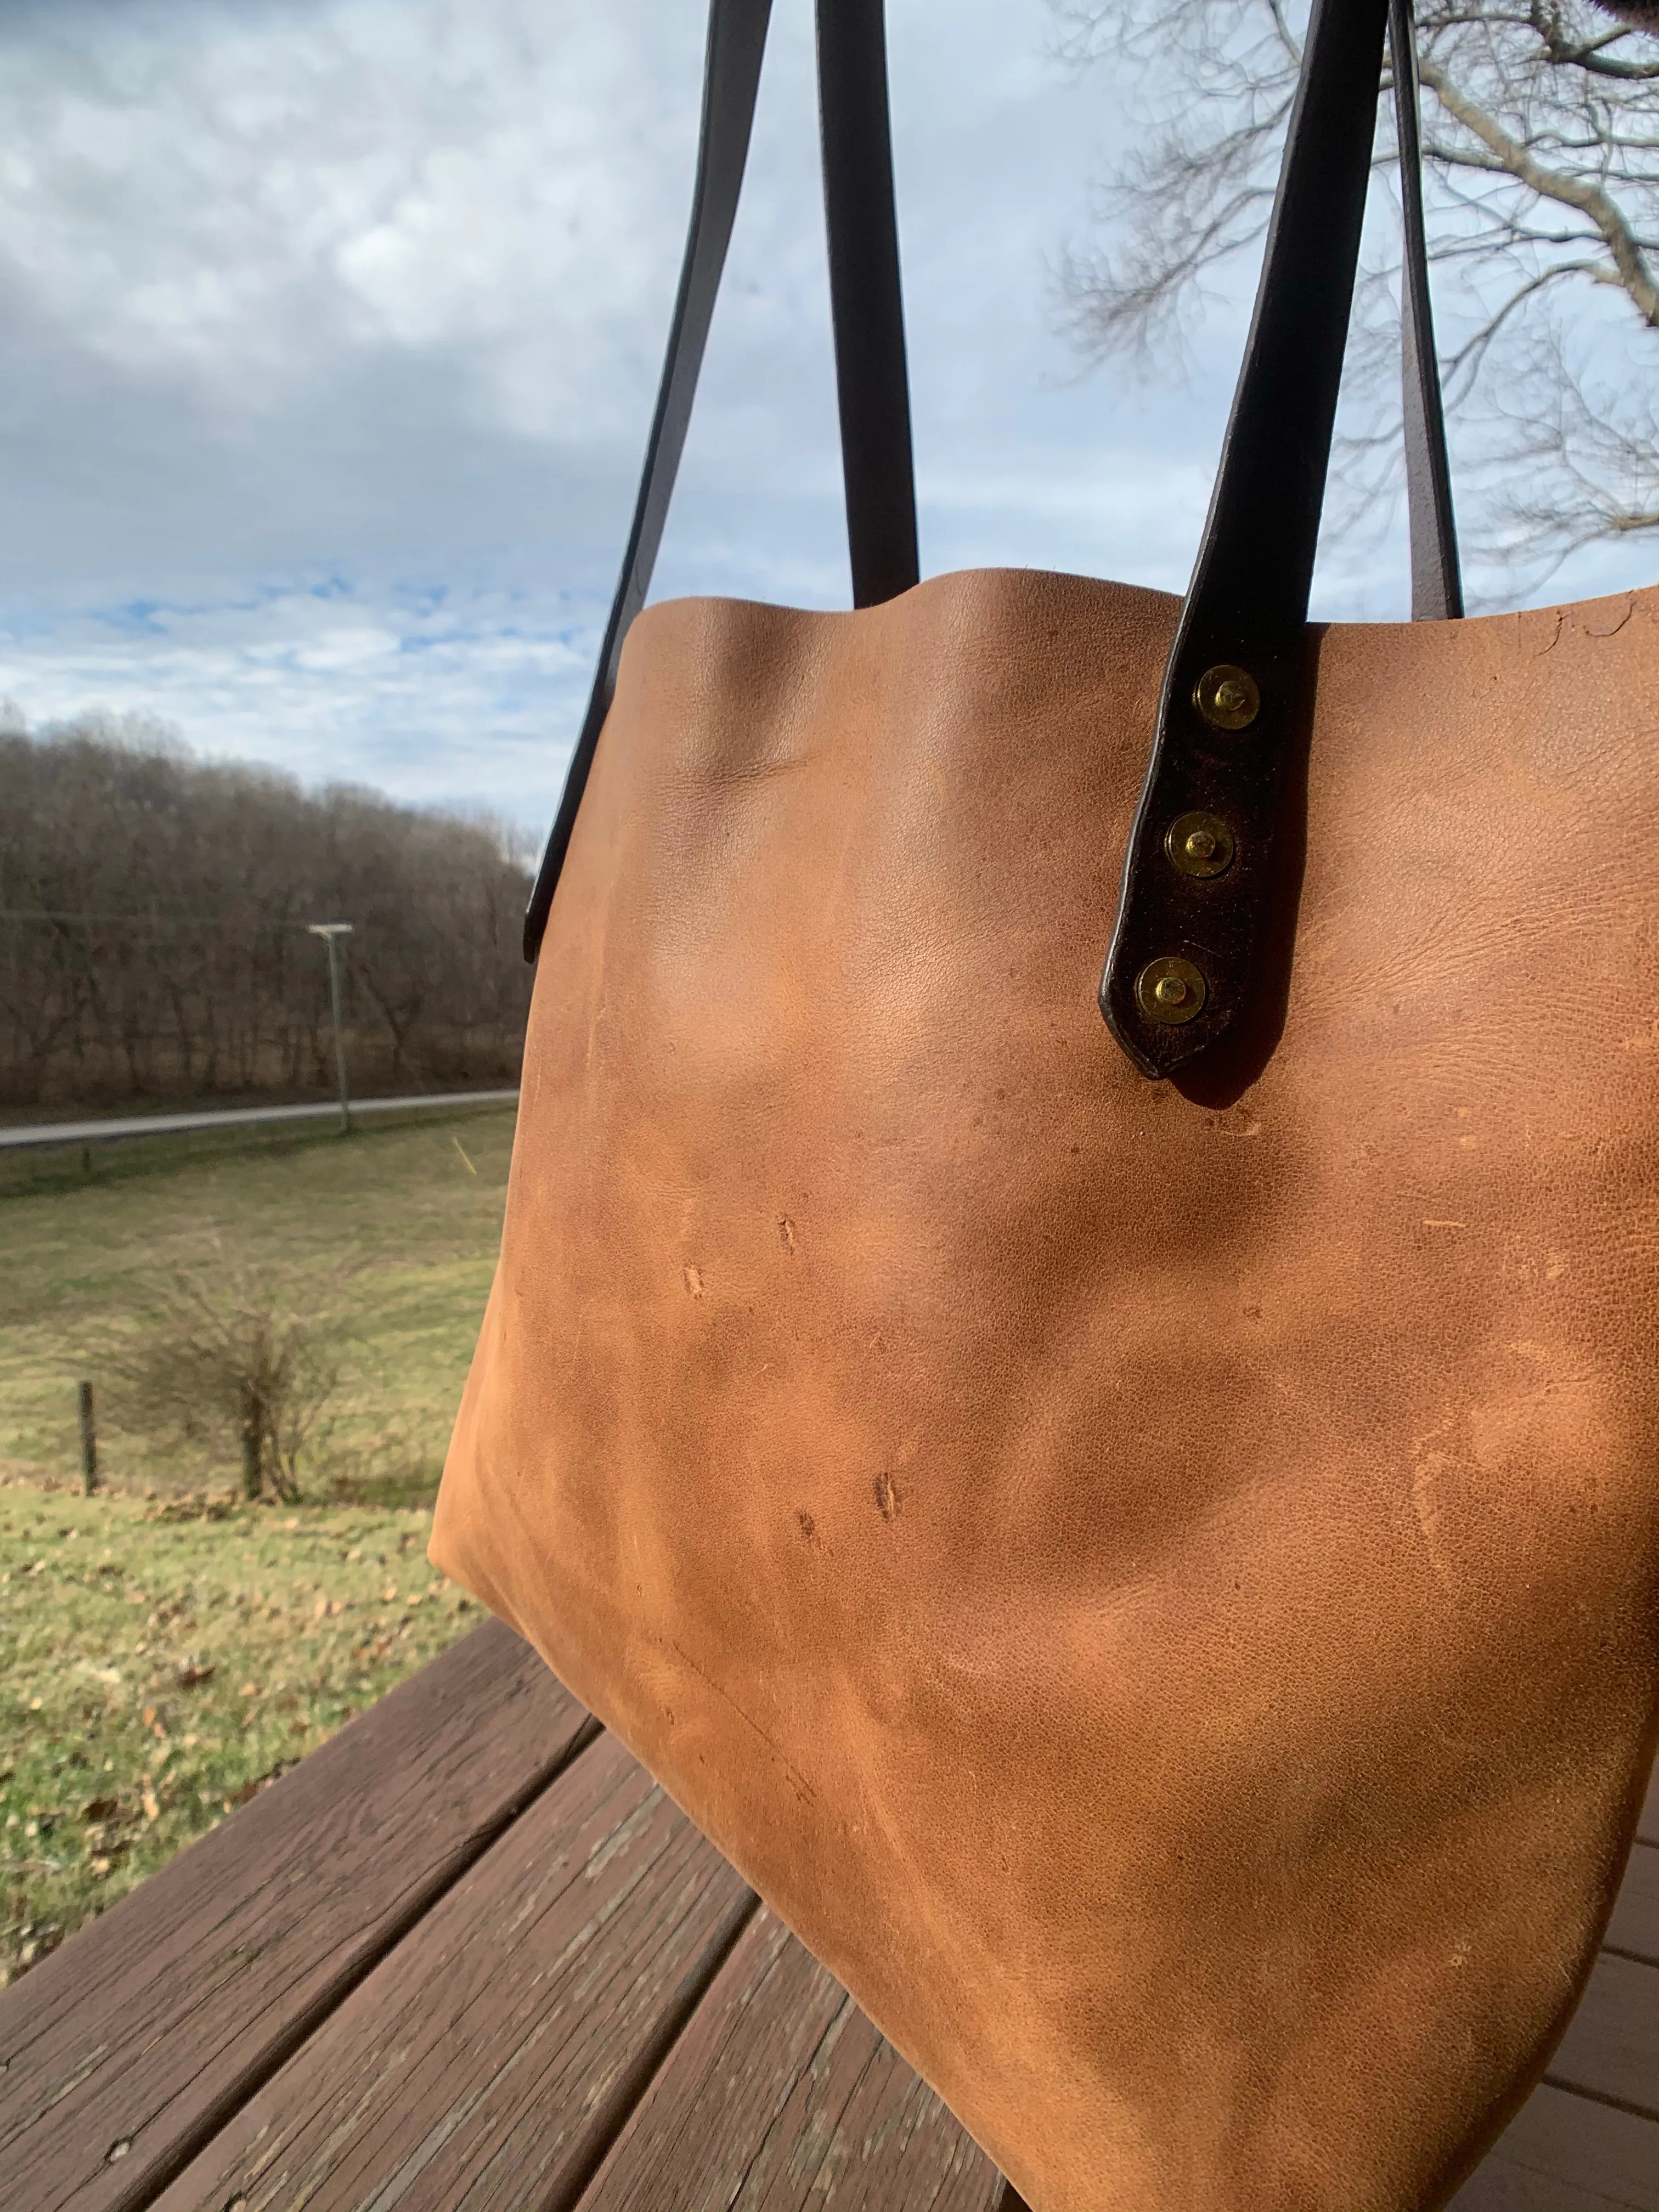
331,933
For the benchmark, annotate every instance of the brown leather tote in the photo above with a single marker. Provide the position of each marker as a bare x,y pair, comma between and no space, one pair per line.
1156,1580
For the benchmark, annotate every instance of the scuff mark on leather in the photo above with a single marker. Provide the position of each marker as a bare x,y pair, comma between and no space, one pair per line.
1431,1466
1629,609
799,1782
599,1013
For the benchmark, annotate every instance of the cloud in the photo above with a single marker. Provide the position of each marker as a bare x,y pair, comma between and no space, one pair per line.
332,328
228,199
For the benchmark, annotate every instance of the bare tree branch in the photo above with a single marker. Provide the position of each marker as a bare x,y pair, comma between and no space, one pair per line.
1518,161
1541,150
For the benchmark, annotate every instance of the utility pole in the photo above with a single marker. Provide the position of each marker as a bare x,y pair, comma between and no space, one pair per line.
332,932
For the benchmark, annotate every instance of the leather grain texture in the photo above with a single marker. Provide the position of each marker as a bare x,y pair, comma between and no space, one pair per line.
1162,1594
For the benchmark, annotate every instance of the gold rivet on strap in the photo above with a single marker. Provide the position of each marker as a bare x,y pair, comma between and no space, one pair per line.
1227,697
1200,844
1170,990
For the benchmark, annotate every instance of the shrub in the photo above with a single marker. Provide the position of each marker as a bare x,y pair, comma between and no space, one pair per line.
224,1352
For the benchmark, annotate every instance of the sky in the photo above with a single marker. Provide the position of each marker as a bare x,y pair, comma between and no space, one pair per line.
332,331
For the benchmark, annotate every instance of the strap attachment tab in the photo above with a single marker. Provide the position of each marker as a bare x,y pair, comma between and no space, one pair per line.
1190,922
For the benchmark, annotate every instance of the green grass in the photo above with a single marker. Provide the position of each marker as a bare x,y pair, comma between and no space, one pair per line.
385,1239
160,1662
165,1649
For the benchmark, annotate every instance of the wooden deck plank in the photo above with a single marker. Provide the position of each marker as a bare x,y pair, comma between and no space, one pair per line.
1634,1928
377,1984
487,2064
1564,2153
124,2051
781,2096
1611,2048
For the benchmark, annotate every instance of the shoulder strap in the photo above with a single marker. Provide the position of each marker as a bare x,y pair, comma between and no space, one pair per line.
1187,928
866,300
1201,861
732,66
1437,582
869,330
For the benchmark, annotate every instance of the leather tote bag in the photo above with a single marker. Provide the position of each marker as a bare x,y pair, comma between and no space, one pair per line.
1139,1537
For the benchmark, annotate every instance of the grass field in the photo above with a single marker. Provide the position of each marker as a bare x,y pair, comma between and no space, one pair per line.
159,1660
385,1239
166,1648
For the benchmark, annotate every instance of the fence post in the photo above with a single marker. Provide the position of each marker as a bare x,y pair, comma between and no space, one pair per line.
88,1438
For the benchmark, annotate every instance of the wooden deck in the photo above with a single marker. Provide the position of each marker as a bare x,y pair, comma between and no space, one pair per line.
466,1957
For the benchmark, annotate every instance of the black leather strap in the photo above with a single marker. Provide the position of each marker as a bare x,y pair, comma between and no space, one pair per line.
1437,580
1191,914
866,300
869,325
737,44
1192,927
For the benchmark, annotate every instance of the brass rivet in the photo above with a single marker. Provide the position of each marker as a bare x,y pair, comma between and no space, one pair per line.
1200,844
1227,697
1170,989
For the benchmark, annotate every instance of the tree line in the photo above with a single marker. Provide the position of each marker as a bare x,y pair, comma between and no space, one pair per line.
154,943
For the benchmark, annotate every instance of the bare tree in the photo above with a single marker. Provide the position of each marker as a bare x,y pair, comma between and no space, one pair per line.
1541,128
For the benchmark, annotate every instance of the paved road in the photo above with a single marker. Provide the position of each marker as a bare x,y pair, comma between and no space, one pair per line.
231,1117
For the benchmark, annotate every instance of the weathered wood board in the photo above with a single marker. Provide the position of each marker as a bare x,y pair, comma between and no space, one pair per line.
489,2063
467,1958
779,2097
1611,2048
124,2051
1564,2153
1634,1928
